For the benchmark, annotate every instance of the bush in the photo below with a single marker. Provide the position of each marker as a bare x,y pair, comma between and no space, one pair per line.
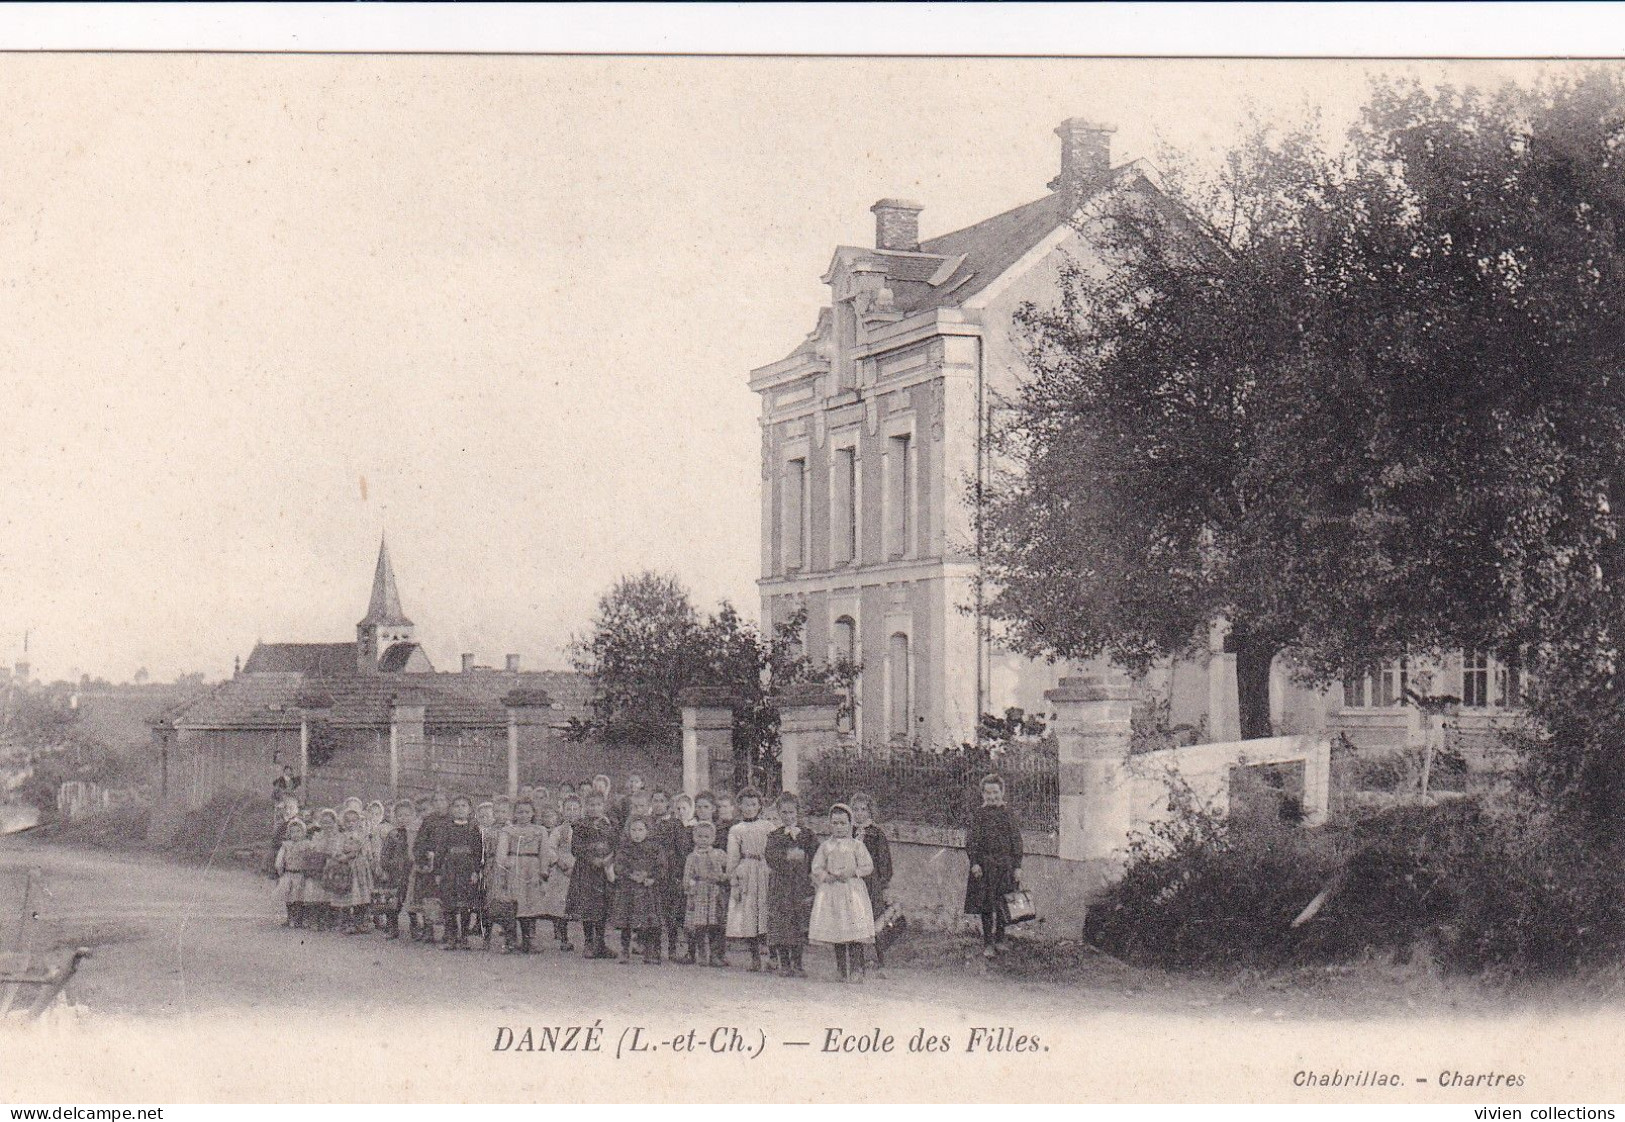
228,824
83,758
120,827
1399,771
1506,892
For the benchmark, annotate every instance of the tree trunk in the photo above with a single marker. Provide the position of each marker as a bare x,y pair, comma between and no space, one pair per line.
1253,662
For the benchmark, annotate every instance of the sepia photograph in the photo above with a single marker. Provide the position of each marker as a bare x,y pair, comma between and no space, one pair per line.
546,578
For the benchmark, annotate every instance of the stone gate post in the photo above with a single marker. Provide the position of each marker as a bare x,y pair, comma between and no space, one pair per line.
806,729
708,728
525,707
407,736
315,708
1092,715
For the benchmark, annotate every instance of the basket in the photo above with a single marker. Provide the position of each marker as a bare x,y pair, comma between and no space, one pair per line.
1019,907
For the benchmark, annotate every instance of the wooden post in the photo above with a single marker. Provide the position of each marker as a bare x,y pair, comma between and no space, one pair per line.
304,751
394,761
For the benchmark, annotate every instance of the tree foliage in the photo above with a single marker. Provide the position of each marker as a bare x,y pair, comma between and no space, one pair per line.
1355,401
648,643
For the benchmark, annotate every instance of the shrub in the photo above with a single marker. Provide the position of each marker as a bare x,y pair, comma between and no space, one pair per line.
226,825
85,758
1509,891
120,827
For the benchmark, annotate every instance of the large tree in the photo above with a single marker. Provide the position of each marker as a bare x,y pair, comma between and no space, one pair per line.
1353,402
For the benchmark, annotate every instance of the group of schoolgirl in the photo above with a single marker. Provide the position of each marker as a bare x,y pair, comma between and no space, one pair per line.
660,870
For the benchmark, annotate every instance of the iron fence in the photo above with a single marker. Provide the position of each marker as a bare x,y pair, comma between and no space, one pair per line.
940,788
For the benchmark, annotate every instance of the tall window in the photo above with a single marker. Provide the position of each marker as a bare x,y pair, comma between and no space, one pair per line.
1385,689
899,496
844,641
1509,683
1393,682
844,519
900,703
795,515
1475,679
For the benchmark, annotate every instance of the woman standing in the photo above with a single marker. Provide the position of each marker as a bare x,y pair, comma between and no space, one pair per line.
747,870
993,845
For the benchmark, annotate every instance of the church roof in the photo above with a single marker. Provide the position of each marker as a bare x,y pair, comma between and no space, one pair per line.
322,659
404,657
384,609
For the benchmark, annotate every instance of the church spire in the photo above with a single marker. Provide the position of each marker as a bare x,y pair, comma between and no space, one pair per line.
386,624
384,610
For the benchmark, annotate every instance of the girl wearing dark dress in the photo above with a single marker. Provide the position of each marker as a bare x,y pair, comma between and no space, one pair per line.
458,864
640,879
874,840
789,857
993,845
591,845
395,865
674,838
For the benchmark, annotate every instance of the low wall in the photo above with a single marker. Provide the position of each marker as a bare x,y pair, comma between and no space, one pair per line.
929,869
1205,770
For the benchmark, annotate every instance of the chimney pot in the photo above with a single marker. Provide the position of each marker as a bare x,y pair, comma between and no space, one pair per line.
513,664
897,224
1086,153
468,663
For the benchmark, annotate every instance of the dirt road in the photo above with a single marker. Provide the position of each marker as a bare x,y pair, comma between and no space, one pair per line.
196,993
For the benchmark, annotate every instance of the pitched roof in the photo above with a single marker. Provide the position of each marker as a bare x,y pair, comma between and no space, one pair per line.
325,659
991,246
951,268
364,700
384,609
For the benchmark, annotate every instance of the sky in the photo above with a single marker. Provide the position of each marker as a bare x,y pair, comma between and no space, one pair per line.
260,310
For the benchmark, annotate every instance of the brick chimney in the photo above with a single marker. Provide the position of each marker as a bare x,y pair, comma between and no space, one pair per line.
468,663
897,224
513,664
1086,154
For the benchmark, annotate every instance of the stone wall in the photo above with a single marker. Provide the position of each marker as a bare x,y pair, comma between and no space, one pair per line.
930,869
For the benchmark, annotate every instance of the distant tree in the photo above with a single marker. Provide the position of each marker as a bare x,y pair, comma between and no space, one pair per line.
141,677
648,643
643,648
1351,403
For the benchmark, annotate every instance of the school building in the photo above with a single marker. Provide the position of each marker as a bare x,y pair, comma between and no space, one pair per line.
872,444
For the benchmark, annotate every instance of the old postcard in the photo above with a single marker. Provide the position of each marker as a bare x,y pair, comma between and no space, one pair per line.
539,578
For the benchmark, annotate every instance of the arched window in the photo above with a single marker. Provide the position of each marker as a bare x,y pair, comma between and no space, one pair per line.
899,689
844,644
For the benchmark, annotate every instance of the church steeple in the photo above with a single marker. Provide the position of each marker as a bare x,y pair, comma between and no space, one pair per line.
385,607
385,622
